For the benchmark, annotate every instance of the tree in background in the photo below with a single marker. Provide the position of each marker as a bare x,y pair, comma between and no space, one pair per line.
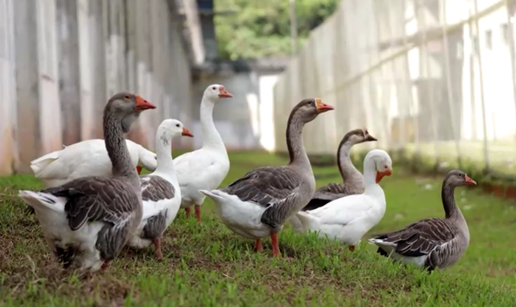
261,28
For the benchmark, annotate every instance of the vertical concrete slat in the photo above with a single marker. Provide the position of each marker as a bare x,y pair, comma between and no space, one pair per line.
69,72
27,90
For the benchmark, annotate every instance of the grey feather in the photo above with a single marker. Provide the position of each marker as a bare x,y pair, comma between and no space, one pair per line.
155,188
98,199
272,187
155,226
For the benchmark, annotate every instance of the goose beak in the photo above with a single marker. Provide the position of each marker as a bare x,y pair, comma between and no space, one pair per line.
469,181
380,175
142,104
371,138
223,93
187,132
321,106
138,169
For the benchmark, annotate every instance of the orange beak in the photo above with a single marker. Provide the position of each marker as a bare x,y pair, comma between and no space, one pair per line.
142,104
321,106
138,169
380,175
187,132
223,93
469,181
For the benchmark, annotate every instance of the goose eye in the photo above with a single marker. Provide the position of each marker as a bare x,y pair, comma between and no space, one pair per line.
127,97
214,88
177,125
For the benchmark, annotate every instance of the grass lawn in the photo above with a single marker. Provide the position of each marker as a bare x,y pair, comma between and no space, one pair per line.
207,265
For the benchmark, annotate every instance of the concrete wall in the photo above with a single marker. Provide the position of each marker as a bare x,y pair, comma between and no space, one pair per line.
60,60
434,77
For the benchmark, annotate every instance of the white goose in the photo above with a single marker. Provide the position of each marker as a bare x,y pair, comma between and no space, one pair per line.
348,218
205,168
84,159
161,194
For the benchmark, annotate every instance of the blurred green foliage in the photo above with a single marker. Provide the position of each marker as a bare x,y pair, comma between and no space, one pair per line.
261,28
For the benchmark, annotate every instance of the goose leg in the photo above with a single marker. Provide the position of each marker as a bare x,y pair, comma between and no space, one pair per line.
258,246
275,246
351,248
198,213
157,245
187,210
104,266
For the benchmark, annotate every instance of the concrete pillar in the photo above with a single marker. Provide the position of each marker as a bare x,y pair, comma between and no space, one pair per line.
25,33
86,71
98,53
115,55
8,150
69,84
49,101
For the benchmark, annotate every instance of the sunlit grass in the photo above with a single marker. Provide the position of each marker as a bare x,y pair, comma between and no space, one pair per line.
207,265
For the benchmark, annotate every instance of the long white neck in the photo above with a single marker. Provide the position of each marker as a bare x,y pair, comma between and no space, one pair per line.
164,153
369,173
210,135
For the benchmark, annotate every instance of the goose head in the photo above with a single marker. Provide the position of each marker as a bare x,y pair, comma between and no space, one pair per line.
358,136
215,92
171,128
382,163
308,109
126,107
457,178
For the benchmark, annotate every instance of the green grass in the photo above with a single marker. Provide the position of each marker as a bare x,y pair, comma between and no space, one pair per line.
207,265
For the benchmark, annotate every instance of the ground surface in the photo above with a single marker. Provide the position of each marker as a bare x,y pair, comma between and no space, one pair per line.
207,265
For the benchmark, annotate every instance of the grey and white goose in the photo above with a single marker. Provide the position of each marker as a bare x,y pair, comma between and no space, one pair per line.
431,243
352,178
87,221
161,194
258,204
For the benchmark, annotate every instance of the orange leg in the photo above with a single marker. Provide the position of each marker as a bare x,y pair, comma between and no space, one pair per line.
157,245
198,213
187,210
351,248
275,246
258,246
104,266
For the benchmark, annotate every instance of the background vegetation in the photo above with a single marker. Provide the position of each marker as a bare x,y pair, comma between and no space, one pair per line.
261,28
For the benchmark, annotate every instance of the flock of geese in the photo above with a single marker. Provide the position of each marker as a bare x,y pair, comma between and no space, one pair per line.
95,201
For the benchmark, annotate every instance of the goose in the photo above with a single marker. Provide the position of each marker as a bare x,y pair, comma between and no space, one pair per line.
353,179
85,159
160,190
206,167
348,218
435,242
258,204
87,221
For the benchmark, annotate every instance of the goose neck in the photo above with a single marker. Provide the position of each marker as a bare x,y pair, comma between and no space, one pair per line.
348,171
369,173
211,137
295,145
448,198
118,152
164,152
